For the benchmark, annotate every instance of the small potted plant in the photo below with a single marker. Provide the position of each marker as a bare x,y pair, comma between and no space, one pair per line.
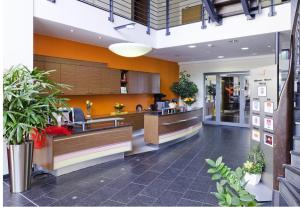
254,166
119,107
188,102
89,105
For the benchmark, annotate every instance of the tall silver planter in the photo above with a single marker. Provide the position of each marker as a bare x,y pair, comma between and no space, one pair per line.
20,166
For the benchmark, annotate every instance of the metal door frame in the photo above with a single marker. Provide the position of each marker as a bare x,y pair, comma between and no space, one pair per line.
242,100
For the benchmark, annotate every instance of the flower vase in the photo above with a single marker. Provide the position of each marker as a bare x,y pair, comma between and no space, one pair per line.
188,107
252,179
118,111
88,115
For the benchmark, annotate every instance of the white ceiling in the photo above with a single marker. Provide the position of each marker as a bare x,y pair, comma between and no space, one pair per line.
258,45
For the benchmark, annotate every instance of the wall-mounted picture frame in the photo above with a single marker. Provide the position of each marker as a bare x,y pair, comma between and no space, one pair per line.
268,139
262,91
256,121
269,107
255,105
255,135
268,123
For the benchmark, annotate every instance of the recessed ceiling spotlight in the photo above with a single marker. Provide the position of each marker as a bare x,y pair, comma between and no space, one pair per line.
192,46
245,48
220,56
71,30
233,41
268,45
130,26
210,45
99,37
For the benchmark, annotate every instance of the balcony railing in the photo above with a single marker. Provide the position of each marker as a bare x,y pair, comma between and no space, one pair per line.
164,14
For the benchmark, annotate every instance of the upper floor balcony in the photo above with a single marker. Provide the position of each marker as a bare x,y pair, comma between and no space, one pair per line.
160,23
164,14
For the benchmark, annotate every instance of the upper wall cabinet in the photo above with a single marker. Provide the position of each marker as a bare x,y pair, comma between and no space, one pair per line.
141,82
89,78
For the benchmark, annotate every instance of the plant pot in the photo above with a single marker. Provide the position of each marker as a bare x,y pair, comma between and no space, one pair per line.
252,179
188,107
20,166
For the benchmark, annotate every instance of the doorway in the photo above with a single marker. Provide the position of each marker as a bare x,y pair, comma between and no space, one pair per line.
227,99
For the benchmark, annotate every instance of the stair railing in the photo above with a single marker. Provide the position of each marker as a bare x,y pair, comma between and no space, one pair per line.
283,116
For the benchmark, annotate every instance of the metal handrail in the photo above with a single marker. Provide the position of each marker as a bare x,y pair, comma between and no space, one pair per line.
159,16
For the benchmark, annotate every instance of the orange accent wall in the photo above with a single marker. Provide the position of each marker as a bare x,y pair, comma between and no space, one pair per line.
103,104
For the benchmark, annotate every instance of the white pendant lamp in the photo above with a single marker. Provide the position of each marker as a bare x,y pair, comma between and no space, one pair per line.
129,49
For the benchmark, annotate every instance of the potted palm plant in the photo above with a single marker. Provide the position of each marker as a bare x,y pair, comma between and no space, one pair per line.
30,101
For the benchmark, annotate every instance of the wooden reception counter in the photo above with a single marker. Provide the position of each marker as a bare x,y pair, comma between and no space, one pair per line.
97,144
160,128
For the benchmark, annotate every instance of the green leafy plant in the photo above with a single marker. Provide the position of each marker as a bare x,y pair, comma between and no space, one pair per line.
30,100
253,168
230,185
211,90
256,155
185,88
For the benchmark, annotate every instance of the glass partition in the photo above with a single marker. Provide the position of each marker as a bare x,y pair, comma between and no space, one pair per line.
210,97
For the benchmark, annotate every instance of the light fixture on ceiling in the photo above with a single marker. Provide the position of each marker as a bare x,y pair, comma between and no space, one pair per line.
99,37
220,56
127,26
192,46
210,45
72,30
245,48
268,45
130,49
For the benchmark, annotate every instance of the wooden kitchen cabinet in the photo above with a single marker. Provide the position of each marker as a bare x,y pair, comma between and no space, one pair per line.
89,78
155,83
142,82
47,66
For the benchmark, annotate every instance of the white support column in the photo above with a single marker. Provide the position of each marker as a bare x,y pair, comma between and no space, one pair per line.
17,37
18,33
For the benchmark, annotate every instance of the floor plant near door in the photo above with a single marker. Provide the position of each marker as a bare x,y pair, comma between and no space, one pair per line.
30,100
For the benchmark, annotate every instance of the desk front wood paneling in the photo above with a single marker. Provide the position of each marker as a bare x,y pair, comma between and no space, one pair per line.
163,128
69,150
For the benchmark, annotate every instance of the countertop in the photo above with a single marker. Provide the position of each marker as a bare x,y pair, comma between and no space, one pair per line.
158,113
91,128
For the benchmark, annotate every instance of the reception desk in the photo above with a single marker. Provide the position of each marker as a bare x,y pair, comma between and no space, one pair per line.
97,144
160,128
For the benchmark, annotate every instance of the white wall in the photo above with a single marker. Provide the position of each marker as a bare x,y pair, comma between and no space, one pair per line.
17,39
197,69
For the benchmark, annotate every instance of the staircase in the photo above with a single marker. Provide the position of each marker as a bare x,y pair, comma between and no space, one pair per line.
289,186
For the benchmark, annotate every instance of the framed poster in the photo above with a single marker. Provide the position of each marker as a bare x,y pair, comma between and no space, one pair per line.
268,123
269,107
268,139
256,135
256,121
255,105
262,91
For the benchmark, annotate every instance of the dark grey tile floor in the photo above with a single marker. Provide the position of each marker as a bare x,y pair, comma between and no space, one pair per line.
172,176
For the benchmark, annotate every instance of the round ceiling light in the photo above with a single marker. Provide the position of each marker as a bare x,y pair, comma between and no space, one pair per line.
129,49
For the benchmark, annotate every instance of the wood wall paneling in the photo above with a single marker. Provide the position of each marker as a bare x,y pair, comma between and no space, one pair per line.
191,14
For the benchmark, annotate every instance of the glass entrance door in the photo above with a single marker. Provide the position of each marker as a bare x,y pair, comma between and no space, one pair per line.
227,99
